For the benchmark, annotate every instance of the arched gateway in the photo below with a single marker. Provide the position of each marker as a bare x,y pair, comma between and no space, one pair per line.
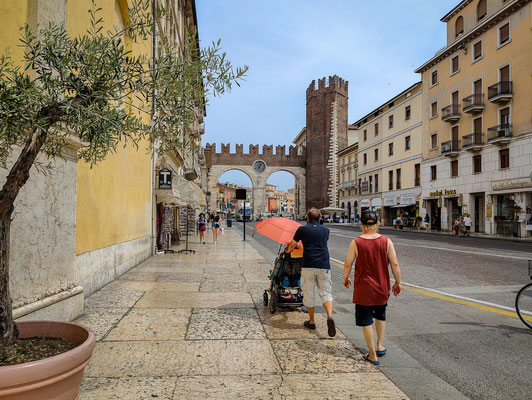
258,167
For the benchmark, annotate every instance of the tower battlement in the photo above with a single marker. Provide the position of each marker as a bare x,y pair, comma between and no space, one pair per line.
325,84
238,157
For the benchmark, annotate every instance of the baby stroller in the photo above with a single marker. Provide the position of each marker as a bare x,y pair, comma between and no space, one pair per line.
285,286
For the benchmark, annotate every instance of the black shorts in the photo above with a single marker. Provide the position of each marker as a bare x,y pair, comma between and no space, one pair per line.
364,314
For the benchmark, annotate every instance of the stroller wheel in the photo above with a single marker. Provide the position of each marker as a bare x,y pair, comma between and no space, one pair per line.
273,302
265,298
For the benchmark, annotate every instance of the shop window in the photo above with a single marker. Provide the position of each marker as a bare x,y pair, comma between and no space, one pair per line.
454,168
390,180
434,141
434,78
390,149
407,113
390,121
504,34
398,178
455,64
376,154
433,174
477,50
477,164
504,157
482,9
407,142
434,110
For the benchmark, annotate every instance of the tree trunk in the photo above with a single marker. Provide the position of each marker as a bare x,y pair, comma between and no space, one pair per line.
17,178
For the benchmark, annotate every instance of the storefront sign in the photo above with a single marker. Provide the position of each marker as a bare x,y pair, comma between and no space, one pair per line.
389,201
446,192
512,183
376,202
165,179
488,210
364,203
408,199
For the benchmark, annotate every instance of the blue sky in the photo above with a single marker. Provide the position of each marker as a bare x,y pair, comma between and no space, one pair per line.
375,45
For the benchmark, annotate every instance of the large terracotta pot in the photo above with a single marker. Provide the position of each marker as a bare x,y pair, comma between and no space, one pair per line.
53,378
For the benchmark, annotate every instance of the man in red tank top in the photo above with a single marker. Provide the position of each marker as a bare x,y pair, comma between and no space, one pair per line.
373,252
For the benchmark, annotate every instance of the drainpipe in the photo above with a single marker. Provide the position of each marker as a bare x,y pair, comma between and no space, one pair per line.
153,153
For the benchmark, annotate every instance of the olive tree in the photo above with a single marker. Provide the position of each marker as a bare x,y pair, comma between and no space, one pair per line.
95,89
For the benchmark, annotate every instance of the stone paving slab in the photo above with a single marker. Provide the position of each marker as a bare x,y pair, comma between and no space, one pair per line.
319,356
177,358
225,323
145,286
101,320
168,299
142,276
128,388
112,298
289,325
152,324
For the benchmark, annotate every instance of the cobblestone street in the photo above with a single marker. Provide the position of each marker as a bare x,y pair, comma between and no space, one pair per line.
194,326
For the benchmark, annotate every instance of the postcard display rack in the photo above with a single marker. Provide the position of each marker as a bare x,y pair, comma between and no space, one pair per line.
183,211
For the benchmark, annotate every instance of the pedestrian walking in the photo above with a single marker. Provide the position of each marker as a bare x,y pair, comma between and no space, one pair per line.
456,226
202,226
215,218
437,220
373,253
467,224
316,270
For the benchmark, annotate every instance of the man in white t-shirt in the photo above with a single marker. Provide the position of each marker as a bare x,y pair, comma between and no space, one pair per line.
467,224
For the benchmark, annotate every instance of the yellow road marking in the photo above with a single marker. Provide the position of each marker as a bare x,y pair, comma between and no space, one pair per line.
452,300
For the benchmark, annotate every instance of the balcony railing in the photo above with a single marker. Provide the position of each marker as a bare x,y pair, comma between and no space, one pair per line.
474,103
450,113
473,140
500,92
451,147
500,133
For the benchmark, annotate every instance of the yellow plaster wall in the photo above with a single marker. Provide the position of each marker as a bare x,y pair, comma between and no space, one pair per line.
517,53
14,15
113,197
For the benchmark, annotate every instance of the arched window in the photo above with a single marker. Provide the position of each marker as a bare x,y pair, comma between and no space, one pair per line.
482,9
459,26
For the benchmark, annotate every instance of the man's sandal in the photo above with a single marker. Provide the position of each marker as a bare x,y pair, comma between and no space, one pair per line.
366,357
381,352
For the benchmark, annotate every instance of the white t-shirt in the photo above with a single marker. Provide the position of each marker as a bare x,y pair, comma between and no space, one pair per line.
467,221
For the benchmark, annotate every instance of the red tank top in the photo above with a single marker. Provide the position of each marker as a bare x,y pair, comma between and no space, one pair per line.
372,277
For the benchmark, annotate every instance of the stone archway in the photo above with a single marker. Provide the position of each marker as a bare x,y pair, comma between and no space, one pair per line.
258,167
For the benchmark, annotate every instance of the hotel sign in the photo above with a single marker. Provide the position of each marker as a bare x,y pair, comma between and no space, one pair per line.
165,179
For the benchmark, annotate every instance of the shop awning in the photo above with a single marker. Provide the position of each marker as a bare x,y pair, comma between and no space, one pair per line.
332,210
183,193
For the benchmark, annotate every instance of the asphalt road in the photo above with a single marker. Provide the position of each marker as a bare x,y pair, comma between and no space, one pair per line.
450,334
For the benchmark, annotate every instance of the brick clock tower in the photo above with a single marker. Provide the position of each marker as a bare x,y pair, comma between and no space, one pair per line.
326,133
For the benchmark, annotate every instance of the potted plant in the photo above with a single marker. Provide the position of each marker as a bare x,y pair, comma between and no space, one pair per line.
516,208
95,90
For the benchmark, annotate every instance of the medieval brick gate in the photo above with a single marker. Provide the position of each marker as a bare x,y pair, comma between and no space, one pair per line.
258,167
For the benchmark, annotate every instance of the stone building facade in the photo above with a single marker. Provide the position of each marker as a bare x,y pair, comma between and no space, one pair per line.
325,134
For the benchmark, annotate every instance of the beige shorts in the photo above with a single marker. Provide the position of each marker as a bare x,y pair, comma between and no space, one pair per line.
316,278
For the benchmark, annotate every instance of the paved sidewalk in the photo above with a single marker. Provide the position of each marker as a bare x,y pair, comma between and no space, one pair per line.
187,326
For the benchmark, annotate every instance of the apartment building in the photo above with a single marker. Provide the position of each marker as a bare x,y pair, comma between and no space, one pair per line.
477,107
389,157
347,175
